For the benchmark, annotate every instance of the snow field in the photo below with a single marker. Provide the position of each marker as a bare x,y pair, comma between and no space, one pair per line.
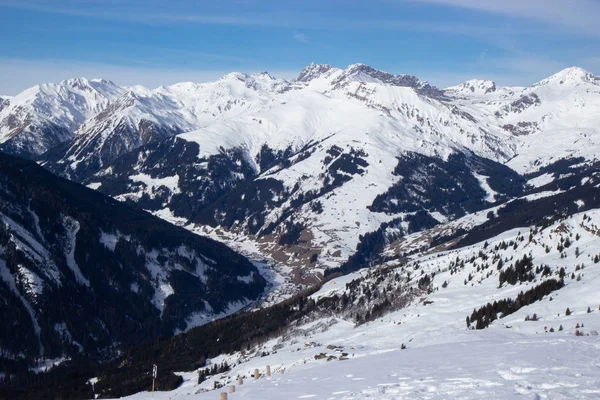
513,358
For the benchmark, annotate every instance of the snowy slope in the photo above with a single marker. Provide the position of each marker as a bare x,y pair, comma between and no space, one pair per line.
356,105
141,116
45,115
515,356
553,119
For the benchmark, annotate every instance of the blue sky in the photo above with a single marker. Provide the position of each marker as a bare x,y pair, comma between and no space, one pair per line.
155,42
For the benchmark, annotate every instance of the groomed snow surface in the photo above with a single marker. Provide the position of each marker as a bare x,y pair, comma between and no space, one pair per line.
514,358
489,366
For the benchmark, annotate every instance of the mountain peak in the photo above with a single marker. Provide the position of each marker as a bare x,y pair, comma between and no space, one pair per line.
259,82
473,86
313,71
103,81
571,75
365,73
263,75
235,76
360,68
77,83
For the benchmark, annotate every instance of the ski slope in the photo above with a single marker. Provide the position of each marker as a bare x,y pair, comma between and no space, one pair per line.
491,366
515,357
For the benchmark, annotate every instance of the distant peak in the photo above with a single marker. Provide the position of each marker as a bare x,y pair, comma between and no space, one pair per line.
313,71
103,81
355,70
475,86
574,71
264,75
87,84
76,82
364,73
366,69
572,75
363,68
235,75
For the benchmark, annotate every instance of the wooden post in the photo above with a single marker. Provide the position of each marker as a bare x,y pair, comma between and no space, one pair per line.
223,396
256,374
240,381
268,370
154,375
231,389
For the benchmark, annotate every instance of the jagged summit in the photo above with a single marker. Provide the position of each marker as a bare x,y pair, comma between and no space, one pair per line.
76,82
472,87
338,78
313,71
363,72
84,84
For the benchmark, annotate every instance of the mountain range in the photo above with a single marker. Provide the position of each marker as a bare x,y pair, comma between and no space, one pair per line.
300,170
334,171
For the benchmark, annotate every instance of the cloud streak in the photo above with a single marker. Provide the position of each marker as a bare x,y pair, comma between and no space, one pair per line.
580,15
301,38
274,18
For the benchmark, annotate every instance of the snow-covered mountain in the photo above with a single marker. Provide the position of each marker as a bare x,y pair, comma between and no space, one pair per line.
230,112
464,218
553,119
304,171
44,116
85,276
141,116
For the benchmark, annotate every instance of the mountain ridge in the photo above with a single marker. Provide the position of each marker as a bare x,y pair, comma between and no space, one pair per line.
294,150
274,163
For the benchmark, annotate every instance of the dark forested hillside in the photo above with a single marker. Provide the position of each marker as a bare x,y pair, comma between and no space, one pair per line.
83,275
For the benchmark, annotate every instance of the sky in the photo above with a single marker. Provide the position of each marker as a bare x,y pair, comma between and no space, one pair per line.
160,42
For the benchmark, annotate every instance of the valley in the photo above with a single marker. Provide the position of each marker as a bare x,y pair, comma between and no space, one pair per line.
368,234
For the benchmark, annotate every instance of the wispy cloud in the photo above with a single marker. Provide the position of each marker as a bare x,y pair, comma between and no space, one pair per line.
277,17
120,12
579,15
301,37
